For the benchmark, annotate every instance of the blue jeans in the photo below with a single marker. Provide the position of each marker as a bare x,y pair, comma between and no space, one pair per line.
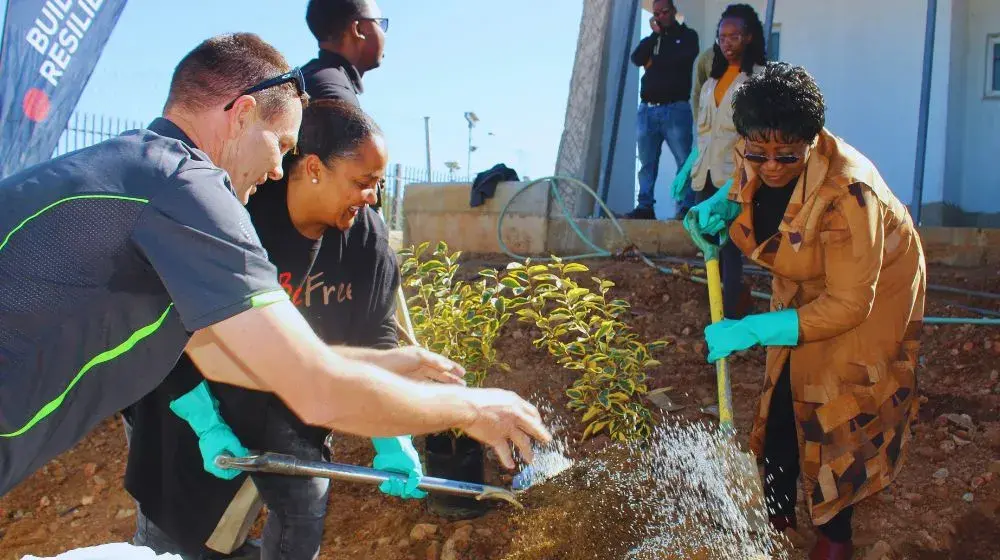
673,123
296,505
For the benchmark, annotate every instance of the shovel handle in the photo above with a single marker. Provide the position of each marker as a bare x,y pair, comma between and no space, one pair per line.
276,463
721,371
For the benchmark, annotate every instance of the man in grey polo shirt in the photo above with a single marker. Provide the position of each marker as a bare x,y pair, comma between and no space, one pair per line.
117,258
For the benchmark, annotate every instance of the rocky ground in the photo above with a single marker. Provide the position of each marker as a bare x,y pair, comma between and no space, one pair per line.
944,504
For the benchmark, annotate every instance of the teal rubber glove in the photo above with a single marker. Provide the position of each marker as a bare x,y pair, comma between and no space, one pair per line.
683,174
397,454
201,411
778,328
712,216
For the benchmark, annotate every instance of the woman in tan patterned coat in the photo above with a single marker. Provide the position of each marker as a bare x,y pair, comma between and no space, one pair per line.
839,391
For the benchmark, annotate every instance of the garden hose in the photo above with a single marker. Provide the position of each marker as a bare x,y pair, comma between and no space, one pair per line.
600,252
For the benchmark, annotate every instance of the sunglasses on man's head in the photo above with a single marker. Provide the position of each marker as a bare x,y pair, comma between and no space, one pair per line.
294,75
783,159
382,22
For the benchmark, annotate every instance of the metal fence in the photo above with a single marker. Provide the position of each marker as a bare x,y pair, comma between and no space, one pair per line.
86,129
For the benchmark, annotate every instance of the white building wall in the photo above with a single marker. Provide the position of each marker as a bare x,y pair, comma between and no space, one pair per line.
974,138
868,59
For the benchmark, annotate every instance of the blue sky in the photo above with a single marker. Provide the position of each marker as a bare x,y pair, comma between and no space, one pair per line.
509,61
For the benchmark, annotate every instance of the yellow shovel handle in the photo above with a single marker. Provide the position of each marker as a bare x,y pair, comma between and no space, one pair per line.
721,372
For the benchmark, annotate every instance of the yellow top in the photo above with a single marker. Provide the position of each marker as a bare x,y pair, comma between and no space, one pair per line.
724,82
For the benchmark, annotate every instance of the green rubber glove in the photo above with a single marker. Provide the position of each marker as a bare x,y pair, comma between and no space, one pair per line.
397,454
201,411
683,174
712,216
777,328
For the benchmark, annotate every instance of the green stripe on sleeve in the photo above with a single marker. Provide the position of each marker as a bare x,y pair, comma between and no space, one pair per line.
267,298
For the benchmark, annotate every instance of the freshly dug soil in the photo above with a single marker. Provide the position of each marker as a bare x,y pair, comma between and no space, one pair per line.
944,504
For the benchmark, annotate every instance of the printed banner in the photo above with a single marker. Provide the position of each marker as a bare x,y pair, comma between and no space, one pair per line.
49,50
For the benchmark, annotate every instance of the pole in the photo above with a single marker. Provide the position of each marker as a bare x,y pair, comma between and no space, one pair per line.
619,98
925,105
468,160
768,25
427,138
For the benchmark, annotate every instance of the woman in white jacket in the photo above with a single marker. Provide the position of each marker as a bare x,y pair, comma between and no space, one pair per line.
739,53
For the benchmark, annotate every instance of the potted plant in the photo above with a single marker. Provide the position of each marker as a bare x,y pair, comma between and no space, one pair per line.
459,320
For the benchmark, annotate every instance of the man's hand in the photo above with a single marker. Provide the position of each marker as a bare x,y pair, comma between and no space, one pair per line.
415,363
654,25
503,418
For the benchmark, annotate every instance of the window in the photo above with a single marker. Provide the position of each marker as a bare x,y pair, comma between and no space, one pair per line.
993,65
774,45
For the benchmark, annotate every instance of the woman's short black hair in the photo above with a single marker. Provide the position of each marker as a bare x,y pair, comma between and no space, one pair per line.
332,130
783,101
755,53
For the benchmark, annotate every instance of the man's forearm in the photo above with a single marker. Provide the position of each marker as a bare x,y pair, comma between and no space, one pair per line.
377,403
276,349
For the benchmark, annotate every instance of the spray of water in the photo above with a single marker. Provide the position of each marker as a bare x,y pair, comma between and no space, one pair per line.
550,459
691,489
685,492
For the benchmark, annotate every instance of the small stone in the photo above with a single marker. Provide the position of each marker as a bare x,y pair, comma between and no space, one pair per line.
968,497
99,481
90,469
53,527
987,477
665,298
75,523
963,421
421,531
954,352
686,331
86,500
404,543
941,473
878,551
124,513
484,532
384,541
44,502
913,498
948,446
995,376
458,542
977,482
518,335
968,346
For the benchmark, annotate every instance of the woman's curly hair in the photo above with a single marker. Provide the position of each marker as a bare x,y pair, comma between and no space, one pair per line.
783,101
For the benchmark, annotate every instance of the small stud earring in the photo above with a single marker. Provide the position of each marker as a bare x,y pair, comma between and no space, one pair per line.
315,180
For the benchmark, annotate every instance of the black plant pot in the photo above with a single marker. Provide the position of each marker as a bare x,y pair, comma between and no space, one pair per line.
454,458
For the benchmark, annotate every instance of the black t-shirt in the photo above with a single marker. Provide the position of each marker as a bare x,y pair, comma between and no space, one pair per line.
331,76
769,205
109,258
348,298
668,79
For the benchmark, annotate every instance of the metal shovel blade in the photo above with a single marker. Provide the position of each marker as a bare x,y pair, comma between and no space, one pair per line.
276,463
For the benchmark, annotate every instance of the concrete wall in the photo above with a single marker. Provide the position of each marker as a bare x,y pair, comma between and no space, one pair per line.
441,212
